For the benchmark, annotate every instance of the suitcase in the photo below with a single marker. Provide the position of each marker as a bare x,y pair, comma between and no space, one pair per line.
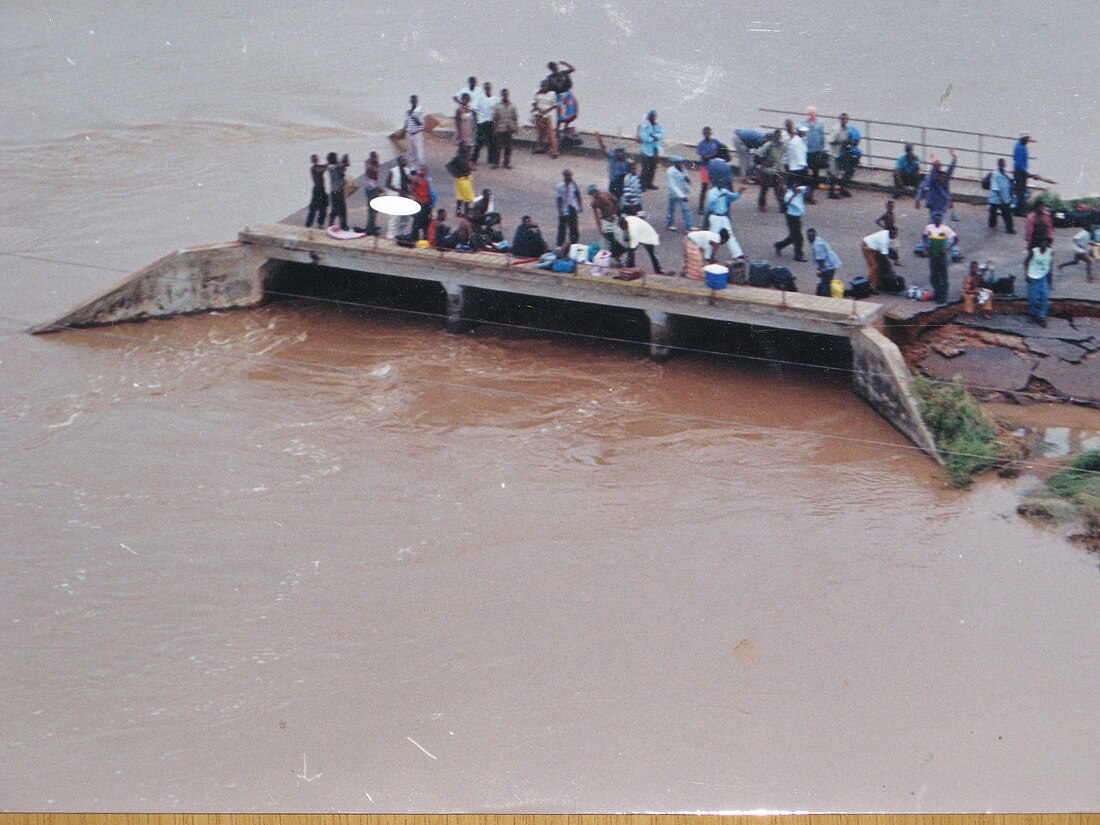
1002,285
859,287
760,273
783,278
893,283
739,271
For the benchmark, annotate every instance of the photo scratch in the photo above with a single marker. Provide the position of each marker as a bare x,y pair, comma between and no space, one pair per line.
420,746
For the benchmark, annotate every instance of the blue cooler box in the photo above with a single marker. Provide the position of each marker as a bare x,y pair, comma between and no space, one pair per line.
717,276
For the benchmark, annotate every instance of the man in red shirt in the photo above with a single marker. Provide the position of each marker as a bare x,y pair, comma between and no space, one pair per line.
422,194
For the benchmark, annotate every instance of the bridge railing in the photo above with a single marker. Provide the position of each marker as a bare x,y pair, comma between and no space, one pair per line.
884,140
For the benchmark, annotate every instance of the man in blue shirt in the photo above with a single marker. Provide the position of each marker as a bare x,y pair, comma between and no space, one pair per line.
718,218
706,149
1020,174
1000,197
906,171
679,191
651,134
794,201
618,164
817,158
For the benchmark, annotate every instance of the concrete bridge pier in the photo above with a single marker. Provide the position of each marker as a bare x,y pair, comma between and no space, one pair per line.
457,322
660,334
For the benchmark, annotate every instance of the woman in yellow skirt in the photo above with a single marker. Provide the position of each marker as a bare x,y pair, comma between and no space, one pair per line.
459,167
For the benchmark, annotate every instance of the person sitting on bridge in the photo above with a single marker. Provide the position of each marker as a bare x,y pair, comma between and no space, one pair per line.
528,241
906,171
438,228
481,209
461,235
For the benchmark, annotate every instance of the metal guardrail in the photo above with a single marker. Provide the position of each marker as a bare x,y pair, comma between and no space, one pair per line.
978,151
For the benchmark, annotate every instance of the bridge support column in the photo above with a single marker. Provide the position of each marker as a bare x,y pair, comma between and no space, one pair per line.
660,334
456,307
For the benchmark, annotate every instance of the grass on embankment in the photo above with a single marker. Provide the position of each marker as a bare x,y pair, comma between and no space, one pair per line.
1077,485
967,440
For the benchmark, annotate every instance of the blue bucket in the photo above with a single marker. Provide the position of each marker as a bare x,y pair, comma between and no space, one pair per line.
716,276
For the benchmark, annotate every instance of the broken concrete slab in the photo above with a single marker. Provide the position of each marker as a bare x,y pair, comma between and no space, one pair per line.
1020,325
1078,382
989,368
1055,348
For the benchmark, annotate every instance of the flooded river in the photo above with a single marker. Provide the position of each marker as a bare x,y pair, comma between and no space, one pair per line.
313,557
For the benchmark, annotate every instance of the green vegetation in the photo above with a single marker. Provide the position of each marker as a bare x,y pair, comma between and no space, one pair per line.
1053,201
967,440
1078,485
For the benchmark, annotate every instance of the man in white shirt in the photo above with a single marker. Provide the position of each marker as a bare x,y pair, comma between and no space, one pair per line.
398,184
469,89
796,158
414,132
876,251
700,248
484,103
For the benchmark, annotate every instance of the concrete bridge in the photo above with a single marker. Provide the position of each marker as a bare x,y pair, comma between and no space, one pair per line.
237,274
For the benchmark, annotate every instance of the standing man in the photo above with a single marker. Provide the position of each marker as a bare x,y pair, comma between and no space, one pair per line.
938,238
414,132
679,193
718,215
483,105
796,208
559,79
336,168
797,155
707,149
397,184
1000,197
769,157
1039,224
1038,265
840,142
651,134
465,122
568,198
817,158
469,89
935,189
421,192
372,187
605,208
545,107
505,124
318,200
631,198
618,164
1020,173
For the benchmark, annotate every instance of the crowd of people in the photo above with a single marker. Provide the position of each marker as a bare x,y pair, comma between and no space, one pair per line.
793,163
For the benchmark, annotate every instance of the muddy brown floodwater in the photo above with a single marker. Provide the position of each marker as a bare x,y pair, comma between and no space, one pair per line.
318,558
